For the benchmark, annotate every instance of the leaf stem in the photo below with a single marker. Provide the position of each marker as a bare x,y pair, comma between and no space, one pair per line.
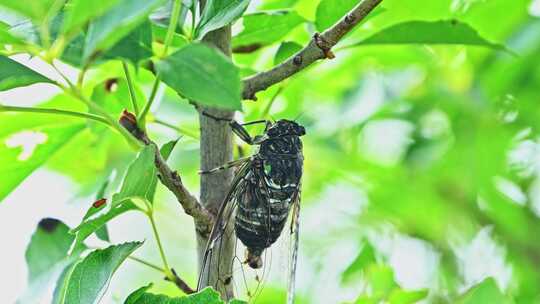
70,84
98,118
151,265
168,39
167,269
173,23
180,130
131,88
44,27
142,117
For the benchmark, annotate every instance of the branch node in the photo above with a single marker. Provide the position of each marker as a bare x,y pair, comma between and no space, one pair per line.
324,45
297,60
168,177
350,18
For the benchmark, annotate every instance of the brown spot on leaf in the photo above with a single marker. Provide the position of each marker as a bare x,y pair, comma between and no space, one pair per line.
111,85
48,224
99,203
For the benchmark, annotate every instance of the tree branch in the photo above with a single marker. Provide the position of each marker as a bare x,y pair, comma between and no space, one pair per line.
171,179
319,48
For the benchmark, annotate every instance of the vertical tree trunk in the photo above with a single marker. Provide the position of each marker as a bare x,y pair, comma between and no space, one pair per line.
216,149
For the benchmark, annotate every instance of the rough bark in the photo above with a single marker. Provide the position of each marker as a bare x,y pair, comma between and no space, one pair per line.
216,149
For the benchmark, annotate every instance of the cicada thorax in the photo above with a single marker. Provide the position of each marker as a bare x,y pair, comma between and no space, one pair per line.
271,186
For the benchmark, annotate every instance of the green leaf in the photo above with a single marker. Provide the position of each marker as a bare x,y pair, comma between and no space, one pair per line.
329,12
203,74
365,258
86,228
90,277
381,279
277,4
137,294
80,12
50,243
25,150
136,46
266,28
160,33
61,284
286,50
35,10
107,30
14,74
96,221
100,203
206,296
219,13
399,296
140,179
167,149
6,37
366,300
46,257
430,32
484,292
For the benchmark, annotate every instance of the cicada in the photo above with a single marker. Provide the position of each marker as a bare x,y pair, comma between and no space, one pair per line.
265,188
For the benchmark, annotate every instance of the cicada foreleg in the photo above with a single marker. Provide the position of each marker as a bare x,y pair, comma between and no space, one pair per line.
240,131
231,164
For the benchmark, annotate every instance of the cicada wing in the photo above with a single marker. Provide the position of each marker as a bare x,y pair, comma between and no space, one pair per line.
222,225
294,245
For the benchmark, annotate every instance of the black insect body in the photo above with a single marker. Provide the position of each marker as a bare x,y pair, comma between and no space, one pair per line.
270,189
265,189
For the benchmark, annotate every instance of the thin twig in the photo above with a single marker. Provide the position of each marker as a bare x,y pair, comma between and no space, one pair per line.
171,179
131,87
320,47
54,111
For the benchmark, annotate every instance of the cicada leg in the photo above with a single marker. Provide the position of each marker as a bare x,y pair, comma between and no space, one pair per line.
238,128
231,164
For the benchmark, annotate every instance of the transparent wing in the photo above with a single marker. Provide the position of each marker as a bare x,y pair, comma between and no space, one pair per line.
222,224
249,282
294,245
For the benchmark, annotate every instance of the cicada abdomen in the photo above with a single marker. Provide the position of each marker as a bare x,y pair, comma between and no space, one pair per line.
264,190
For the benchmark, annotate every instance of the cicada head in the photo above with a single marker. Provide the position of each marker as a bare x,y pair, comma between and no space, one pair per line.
284,127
